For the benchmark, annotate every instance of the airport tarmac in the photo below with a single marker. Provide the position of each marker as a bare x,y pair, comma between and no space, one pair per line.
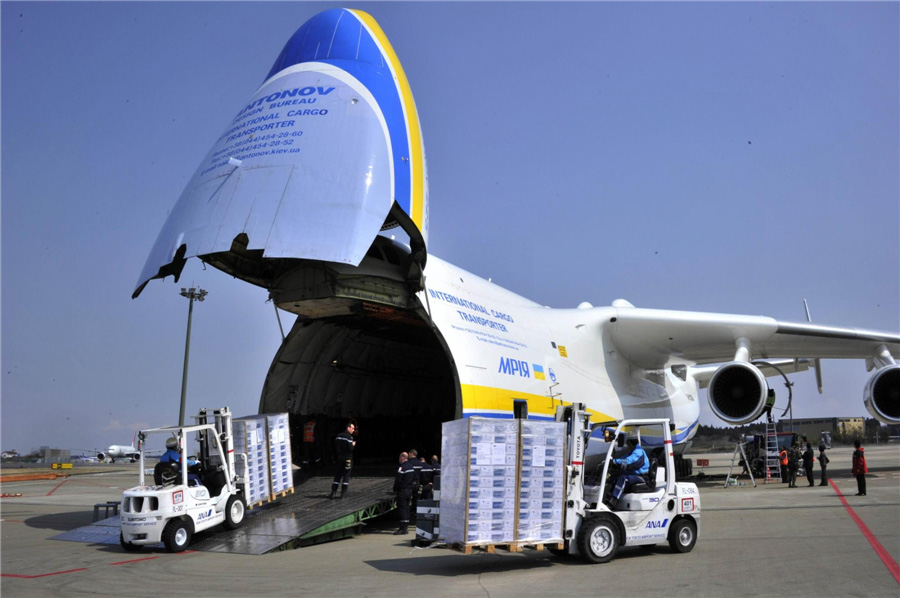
770,540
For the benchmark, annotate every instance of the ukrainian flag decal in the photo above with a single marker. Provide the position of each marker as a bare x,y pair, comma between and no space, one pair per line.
538,371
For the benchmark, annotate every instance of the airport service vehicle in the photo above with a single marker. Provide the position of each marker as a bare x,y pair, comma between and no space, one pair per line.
184,500
595,524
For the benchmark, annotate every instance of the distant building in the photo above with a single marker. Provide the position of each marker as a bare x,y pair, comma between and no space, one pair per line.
53,455
848,427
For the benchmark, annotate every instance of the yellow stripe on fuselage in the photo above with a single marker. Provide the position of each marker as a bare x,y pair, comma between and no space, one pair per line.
490,399
416,150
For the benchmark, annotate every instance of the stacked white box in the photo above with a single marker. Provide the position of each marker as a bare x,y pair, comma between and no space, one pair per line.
280,452
479,481
541,481
251,439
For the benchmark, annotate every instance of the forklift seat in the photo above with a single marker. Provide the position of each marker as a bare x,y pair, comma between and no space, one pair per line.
649,484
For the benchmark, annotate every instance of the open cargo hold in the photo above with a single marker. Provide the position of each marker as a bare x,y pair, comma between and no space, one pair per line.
502,482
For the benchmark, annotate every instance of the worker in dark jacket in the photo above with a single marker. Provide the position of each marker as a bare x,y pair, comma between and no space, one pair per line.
860,469
808,458
406,482
823,464
343,450
426,479
417,465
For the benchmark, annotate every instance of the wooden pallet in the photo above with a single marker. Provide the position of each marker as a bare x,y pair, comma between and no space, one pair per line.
283,493
260,503
509,547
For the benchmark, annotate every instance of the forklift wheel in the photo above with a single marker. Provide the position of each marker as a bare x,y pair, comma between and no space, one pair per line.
683,535
598,539
234,512
128,545
176,535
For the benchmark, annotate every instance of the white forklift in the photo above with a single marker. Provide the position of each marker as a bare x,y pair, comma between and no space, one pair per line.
184,500
658,510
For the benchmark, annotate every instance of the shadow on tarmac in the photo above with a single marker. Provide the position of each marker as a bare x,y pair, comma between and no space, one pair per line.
63,522
456,564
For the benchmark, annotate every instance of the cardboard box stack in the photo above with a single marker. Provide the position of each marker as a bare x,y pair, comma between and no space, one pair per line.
541,481
280,452
502,481
251,438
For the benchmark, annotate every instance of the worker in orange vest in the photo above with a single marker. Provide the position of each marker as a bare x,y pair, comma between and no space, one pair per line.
309,443
783,458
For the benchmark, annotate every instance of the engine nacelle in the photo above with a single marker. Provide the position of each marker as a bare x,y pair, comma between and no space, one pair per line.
737,392
882,395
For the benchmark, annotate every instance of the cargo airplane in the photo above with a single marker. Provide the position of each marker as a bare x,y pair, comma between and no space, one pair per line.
299,194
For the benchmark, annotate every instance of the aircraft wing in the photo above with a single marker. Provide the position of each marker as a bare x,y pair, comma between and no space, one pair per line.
654,338
737,388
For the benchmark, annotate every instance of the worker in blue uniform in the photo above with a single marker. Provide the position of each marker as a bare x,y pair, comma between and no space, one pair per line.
634,468
173,456
406,482
343,450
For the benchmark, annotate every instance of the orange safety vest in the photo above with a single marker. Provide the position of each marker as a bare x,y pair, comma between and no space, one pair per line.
783,455
309,432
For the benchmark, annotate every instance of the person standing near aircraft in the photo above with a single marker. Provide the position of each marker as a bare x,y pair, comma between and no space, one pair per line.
823,463
783,460
343,450
426,478
405,484
309,443
860,469
794,457
808,458
417,466
634,467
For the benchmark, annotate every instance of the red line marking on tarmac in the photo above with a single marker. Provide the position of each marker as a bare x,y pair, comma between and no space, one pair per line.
146,558
42,574
883,554
57,487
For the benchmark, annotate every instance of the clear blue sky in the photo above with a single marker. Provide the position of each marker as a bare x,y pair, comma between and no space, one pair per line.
726,157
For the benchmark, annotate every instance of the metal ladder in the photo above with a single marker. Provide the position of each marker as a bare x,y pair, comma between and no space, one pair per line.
739,449
773,463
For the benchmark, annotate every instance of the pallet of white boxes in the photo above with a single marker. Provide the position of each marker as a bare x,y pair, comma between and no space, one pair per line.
262,446
502,484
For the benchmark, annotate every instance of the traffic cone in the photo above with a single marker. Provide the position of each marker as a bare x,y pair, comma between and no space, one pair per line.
768,474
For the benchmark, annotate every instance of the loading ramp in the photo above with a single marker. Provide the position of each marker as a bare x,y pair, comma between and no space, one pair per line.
303,518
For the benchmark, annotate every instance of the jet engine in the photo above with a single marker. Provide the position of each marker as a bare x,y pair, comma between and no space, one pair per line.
882,395
737,392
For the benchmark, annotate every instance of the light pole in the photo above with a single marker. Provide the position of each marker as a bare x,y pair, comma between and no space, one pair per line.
191,294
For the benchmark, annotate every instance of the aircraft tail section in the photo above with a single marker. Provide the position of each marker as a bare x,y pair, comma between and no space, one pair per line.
323,156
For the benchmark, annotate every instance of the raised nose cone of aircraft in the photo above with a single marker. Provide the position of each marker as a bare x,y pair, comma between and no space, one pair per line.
326,153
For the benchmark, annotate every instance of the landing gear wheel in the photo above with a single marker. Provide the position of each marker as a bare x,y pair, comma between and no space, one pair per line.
683,535
234,512
598,539
128,545
177,535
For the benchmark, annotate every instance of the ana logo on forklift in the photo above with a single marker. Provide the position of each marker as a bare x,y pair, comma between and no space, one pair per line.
657,524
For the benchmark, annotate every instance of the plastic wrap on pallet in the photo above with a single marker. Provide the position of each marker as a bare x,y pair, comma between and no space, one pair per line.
251,439
540,507
479,480
281,474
